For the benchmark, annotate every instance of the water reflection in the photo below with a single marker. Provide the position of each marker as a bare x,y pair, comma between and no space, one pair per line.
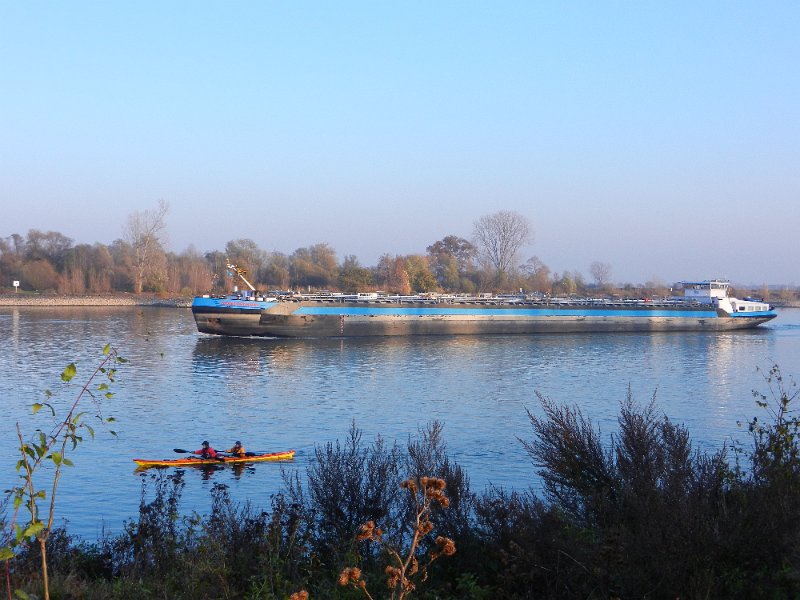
206,471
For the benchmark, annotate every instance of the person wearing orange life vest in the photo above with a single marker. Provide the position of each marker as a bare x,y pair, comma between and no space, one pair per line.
236,450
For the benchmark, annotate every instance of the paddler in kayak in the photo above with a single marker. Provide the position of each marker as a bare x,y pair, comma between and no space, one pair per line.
236,450
206,451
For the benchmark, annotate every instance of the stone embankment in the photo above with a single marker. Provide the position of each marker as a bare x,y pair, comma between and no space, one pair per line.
110,300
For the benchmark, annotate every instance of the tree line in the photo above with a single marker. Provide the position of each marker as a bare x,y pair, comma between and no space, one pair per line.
138,262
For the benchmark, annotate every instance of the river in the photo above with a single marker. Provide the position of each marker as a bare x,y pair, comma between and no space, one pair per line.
180,387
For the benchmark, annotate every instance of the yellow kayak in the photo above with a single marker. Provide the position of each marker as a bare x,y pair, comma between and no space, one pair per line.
193,461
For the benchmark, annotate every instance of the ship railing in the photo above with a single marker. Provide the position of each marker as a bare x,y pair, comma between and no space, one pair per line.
464,299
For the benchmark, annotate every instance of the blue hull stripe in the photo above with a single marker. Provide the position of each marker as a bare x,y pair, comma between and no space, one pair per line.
244,305
507,312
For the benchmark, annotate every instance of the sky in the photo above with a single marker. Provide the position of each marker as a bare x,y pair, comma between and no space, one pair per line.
661,138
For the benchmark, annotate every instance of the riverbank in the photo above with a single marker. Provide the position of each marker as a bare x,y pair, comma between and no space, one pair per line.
99,300
786,304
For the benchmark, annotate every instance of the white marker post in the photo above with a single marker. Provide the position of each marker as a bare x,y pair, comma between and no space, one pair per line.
16,286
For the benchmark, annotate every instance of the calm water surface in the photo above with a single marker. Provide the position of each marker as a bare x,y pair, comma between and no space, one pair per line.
181,387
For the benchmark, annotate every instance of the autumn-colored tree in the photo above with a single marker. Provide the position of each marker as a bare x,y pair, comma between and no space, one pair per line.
41,275
451,259
101,270
419,272
447,272
569,283
123,259
87,268
564,284
188,273
353,277
73,280
314,266
392,274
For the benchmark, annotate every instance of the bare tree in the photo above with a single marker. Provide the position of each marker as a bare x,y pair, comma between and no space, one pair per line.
145,231
50,245
601,272
538,275
499,238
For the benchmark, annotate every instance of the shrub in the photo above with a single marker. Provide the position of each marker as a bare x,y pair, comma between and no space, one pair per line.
347,485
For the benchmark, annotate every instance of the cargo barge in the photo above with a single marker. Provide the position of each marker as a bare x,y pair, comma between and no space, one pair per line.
705,306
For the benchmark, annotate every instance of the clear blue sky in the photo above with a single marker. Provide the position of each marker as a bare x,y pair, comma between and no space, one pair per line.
662,138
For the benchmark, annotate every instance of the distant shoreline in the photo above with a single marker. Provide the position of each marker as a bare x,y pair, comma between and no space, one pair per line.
99,300
132,300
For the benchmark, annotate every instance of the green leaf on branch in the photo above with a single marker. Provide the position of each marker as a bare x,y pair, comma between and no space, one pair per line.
69,372
33,529
106,349
6,553
56,457
36,407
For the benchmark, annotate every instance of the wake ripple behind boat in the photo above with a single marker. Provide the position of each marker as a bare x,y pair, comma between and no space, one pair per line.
705,306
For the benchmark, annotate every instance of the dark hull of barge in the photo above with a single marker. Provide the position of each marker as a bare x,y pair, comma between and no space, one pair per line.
318,319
